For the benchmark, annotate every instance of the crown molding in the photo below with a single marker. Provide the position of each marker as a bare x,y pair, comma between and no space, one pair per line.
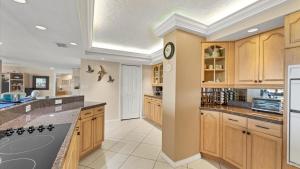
177,21
242,14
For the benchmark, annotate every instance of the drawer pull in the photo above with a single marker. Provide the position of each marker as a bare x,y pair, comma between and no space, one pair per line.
78,133
233,120
243,132
262,127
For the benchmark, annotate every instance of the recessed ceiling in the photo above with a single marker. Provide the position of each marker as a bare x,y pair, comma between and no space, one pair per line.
129,25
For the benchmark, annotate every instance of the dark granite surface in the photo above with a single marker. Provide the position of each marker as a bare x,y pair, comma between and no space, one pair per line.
53,114
249,113
153,96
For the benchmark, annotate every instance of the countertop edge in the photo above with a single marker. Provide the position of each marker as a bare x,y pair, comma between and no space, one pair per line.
243,115
153,96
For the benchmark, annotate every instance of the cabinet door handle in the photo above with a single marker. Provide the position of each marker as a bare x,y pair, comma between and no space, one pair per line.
202,113
259,126
255,81
243,132
260,81
233,120
78,133
248,133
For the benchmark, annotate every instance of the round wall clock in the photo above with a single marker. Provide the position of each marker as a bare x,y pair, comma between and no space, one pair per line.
169,50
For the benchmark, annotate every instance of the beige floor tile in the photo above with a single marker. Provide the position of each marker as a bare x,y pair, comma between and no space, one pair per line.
163,165
92,157
109,143
124,147
134,136
160,158
109,160
138,163
205,164
147,151
81,167
153,139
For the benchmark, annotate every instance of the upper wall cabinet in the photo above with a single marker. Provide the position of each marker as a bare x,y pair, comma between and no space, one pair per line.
157,75
215,60
292,30
246,60
271,67
259,60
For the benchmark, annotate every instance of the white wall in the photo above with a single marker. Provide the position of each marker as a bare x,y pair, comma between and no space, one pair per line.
101,91
34,71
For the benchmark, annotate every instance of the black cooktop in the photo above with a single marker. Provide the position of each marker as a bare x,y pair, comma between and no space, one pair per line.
35,147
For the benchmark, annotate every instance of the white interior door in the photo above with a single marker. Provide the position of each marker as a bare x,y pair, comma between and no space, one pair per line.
131,92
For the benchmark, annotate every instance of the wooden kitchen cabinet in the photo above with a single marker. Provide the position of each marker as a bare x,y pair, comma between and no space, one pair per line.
264,151
153,109
157,75
210,133
86,140
71,160
292,30
271,64
259,60
98,132
92,130
217,60
235,145
246,60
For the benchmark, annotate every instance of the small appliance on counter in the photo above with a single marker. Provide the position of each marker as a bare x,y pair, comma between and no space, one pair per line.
267,105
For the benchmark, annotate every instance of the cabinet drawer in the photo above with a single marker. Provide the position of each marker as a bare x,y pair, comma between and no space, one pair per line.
265,127
235,120
98,110
86,113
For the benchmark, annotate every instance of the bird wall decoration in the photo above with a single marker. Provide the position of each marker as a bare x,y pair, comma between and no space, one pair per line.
90,70
101,73
110,79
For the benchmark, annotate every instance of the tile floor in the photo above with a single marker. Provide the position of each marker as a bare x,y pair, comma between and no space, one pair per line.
134,144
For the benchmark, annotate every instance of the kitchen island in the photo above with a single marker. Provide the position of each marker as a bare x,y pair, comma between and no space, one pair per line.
81,117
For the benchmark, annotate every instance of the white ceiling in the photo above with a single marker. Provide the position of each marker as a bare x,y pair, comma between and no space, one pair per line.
122,30
23,43
129,24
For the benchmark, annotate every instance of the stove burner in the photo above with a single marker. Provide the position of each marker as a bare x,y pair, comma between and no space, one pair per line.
31,129
26,144
9,132
50,127
41,128
20,131
24,163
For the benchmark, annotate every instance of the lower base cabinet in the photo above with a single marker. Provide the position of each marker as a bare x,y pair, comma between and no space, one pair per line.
88,136
72,157
153,110
246,143
234,145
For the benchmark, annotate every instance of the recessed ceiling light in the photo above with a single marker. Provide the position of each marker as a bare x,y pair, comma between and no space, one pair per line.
102,59
51,68
1,43
74,44
40,27
20,1
252,30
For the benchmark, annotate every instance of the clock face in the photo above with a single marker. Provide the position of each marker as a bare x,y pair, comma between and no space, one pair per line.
169,50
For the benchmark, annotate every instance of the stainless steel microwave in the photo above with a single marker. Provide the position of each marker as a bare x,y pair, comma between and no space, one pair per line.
267,105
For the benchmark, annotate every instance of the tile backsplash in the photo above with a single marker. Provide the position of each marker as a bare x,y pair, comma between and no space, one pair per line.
237,97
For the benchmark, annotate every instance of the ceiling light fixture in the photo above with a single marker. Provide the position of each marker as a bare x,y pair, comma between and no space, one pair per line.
1,43
40,27
20,1
74,44
252,30
51,68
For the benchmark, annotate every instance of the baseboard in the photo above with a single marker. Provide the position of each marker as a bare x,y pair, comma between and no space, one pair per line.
181,162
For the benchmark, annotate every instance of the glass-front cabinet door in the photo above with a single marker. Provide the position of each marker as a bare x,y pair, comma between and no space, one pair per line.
214,67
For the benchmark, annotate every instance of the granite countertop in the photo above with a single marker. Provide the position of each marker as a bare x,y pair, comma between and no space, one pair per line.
59,114
245,112
153,96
